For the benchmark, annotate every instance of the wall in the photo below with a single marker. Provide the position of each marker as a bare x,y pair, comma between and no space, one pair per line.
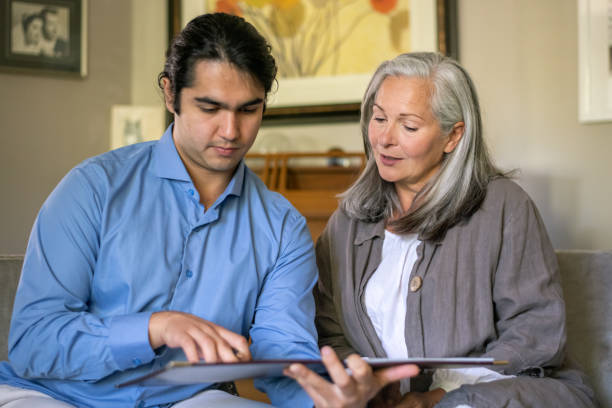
149,27
522,55
49,124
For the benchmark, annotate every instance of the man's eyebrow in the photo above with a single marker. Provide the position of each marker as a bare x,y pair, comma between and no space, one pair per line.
205,99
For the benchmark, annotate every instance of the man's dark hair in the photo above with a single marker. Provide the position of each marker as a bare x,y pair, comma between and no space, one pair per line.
217,37
48,10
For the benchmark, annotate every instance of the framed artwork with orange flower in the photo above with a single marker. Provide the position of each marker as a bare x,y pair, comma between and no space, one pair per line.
327,50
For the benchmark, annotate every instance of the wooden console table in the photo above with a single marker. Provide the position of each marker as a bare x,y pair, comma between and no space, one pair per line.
309,180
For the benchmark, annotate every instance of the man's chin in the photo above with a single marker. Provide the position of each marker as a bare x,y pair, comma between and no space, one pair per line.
224,165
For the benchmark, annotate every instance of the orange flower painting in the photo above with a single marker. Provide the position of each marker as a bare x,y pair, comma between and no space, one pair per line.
315,38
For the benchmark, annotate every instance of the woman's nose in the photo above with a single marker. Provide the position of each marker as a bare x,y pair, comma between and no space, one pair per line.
387,136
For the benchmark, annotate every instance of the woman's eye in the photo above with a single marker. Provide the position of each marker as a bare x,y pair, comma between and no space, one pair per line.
379,119
410,129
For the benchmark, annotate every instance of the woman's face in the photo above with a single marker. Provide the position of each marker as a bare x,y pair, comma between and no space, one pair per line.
406,139
34,31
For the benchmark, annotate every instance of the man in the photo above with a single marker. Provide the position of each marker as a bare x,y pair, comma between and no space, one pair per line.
52,45
168,250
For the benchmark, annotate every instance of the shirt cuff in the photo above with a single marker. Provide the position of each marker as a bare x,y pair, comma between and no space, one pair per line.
129,340
450,379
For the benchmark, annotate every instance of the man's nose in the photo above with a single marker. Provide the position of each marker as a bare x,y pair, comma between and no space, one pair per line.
229,126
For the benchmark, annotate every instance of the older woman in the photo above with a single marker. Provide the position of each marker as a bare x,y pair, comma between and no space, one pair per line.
435,253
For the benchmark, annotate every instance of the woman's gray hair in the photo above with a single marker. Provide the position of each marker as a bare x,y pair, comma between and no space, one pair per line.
459,187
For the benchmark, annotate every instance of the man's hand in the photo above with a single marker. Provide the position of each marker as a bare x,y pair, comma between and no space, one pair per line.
199,338
346,390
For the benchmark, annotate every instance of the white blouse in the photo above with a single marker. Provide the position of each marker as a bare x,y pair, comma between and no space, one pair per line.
385,301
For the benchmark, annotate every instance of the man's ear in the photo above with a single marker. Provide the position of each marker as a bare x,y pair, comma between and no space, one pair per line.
168,97
454,137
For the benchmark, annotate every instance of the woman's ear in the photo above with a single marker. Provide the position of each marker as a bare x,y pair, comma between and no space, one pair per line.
454,137
168,97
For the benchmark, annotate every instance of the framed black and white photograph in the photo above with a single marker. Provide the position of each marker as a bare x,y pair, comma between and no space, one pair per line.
44,36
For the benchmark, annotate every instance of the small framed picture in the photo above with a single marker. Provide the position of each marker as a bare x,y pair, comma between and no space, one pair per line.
134,124
44,36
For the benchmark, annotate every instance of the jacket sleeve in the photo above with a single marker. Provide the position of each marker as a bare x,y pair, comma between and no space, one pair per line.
53,332
530,322
527,295
283,326
327,319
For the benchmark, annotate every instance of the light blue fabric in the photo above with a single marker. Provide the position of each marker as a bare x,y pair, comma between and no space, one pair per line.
123,235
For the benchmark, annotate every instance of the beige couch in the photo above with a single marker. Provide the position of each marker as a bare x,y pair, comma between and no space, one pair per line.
587,283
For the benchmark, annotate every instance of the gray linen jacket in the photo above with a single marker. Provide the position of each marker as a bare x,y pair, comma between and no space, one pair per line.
490,288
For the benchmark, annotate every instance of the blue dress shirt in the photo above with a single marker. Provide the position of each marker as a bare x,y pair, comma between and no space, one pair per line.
123,235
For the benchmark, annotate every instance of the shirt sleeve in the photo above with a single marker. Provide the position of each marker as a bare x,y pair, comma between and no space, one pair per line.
53,333
283,325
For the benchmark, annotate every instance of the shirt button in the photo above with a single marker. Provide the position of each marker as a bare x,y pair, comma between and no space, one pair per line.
136,361
191,192
189,273
415,283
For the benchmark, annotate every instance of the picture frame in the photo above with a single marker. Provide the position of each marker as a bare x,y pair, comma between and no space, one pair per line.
434,28
594,61
46,37
135,123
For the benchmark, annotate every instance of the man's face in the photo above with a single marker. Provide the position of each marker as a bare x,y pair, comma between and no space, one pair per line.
50,26
220,116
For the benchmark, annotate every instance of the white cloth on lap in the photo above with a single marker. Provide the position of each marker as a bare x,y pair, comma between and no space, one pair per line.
451,379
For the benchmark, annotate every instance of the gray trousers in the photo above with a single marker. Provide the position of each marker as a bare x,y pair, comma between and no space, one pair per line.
13,397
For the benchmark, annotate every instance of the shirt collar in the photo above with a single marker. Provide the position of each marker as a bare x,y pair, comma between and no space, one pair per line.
168,164
235,185
166,161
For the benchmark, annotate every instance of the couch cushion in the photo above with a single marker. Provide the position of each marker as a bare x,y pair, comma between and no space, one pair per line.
10,269
587,286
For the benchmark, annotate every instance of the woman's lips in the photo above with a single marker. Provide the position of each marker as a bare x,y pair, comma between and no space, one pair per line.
388,160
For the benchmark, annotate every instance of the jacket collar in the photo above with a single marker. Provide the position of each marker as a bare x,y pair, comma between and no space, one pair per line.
369,230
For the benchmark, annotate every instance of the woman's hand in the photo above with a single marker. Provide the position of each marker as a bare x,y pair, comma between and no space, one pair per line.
421,399
388,397
346,390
